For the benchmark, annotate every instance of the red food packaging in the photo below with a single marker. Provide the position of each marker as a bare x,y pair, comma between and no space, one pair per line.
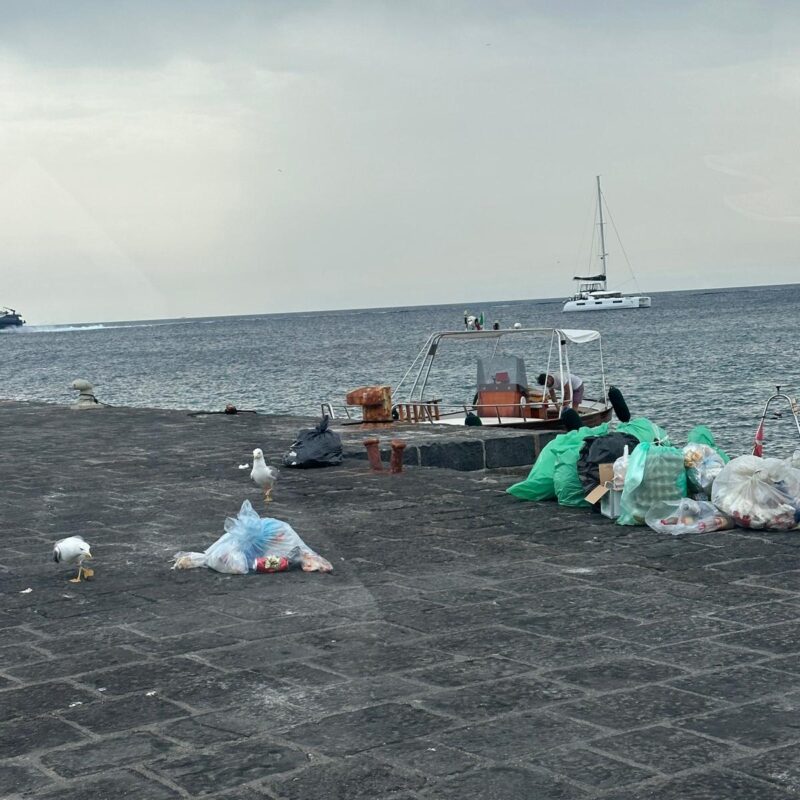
271,564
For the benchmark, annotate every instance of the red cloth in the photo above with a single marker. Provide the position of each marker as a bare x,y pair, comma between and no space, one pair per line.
758,441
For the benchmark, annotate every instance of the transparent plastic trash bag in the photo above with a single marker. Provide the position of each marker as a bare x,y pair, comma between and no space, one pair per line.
759,493
703,463
655,474
253,544
687,516
621,469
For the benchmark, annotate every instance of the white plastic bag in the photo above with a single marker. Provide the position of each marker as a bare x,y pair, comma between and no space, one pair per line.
687,516
759,493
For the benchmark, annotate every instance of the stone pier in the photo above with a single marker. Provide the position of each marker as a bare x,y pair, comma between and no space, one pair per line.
467,645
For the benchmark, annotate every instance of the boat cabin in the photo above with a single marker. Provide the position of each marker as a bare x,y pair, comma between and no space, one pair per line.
502,387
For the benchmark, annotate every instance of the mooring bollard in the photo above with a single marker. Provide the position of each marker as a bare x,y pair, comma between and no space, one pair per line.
86,398
374,454
396,464
375,402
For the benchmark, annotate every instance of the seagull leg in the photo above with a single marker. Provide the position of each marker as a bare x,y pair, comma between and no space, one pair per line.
77,578
268,495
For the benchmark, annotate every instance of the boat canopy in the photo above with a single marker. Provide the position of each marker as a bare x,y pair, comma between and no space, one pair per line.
498,368
580,336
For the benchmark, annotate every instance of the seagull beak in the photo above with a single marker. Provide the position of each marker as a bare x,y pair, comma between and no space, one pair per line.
88,554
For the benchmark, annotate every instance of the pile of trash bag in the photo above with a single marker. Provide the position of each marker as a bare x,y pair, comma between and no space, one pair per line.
315,447
555,474
694,489
759,493
253,544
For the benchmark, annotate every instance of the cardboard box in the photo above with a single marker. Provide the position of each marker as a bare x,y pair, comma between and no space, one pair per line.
606,481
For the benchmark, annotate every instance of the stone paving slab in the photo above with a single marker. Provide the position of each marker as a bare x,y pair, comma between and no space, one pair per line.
467,645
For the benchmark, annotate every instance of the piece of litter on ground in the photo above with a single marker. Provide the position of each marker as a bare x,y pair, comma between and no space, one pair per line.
288,613
244,466
431,749
102,689
579,571
26,591
76,703
149,694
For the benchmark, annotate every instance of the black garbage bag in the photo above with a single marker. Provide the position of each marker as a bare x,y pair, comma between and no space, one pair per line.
315,447
598,450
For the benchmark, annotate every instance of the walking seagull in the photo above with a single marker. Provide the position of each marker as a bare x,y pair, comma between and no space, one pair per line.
263,475
73,550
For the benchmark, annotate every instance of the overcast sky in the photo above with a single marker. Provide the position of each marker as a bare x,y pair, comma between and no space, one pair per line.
162,158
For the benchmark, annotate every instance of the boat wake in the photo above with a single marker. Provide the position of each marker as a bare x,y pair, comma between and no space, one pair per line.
64,328
99,326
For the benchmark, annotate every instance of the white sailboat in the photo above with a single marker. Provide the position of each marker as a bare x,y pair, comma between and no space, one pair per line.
592,294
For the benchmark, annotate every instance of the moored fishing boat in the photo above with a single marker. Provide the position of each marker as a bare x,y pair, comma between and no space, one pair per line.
500,394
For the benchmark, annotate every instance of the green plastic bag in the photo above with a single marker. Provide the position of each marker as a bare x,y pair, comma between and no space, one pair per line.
700,434
539,483
644,430
567,482
655,475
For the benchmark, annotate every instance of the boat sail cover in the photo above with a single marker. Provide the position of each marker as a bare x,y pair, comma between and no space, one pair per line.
580,336
593,278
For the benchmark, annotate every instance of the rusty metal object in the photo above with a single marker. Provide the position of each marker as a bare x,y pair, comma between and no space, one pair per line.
396,463
374,454
375,402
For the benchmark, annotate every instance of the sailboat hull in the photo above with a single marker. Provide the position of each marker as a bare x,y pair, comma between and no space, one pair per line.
607,303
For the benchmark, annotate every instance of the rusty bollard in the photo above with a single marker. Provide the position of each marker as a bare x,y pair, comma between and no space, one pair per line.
373,454
396,464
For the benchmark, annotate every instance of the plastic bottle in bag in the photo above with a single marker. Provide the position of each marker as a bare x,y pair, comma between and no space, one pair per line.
620,469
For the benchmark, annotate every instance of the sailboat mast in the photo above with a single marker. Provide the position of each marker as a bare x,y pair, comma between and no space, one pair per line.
603,253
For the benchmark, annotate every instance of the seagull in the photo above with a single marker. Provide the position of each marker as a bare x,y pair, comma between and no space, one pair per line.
72,550
263,475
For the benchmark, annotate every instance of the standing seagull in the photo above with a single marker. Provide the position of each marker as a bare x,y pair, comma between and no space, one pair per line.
73,549
263,475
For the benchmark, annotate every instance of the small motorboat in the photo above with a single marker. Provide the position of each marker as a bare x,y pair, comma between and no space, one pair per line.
500,393
10,319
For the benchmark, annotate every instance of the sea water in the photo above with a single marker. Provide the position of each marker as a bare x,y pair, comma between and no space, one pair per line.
710,357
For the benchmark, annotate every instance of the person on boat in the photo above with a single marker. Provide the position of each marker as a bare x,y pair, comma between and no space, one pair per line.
496,326
573,388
